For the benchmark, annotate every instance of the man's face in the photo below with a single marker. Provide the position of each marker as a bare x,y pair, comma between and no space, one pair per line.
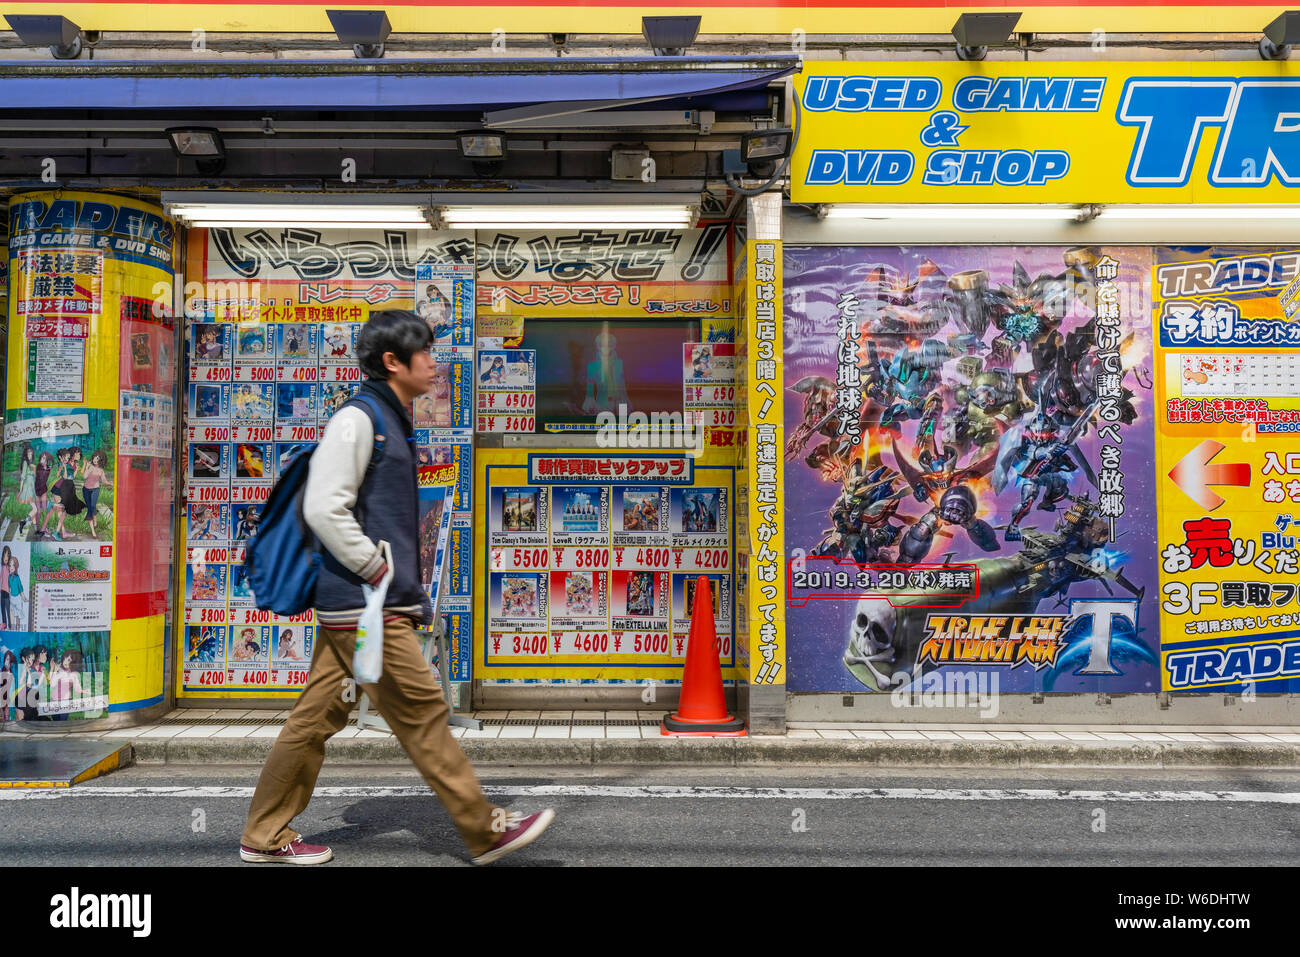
414,379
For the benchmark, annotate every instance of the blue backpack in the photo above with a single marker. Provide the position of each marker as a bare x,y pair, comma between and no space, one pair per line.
283,556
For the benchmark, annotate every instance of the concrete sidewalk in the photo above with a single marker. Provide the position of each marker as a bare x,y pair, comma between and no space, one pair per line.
627,738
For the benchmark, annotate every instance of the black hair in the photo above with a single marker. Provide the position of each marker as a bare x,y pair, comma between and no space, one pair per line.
398,331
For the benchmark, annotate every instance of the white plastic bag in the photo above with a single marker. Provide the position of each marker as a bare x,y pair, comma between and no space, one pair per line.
368,657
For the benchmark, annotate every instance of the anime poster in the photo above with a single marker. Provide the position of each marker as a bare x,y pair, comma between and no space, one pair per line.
59,677
59,475
444,298
296,342
241,592
291,651
252,404
579,604
339,342
243,521
638,603
517,614
248,649
1228,389
206,573
684,598
332,397
71,586
579,515
203,656
254,344
211,345
435,521
968,460
209,523
295,403
209,404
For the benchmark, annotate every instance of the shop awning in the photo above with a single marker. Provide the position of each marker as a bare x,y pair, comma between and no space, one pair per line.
570,85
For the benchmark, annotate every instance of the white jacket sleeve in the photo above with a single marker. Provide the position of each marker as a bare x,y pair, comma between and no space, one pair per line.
337,470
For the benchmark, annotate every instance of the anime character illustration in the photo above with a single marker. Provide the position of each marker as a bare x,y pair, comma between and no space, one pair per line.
937,479
1038,454
640,510
519,598
205,524
250,340
337,343
94,478
861,518
699,512
1027,313
641,594
246,517
245,646
250,402
606,388
495,373
141,353
203,645
701,362
287,646
249,461
240,589
975,388
434,309
206,583
208,345
333,397
578,599
18,605
295,342
27,486
885,633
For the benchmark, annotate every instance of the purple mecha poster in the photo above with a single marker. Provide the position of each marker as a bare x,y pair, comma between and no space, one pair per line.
969,449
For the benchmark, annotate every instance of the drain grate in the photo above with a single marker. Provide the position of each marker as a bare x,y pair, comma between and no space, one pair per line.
223,721
490,722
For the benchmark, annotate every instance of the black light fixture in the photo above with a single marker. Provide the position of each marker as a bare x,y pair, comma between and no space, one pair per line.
761,150
365,30
200,143
60,34
670,36
1279,35
974,32
486,149
482,145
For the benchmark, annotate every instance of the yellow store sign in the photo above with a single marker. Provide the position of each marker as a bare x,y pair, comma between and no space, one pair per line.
1079,132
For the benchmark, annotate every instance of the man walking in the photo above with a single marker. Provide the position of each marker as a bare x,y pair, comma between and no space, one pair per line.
351,507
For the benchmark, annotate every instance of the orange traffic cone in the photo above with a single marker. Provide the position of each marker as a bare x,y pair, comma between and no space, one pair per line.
702,712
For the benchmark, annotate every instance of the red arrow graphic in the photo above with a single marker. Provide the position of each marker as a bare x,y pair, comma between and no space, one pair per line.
1194,474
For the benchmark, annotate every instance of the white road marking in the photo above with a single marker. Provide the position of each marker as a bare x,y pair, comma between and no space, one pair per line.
669,791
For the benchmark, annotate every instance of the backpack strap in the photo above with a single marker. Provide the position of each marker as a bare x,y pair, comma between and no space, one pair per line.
377,422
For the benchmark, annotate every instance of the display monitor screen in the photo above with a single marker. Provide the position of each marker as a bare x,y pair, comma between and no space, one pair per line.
586,366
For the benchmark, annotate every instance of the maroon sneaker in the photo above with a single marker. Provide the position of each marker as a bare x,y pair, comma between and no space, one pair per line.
296,851
520,832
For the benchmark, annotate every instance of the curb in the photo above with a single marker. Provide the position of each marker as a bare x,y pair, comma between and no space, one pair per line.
751,752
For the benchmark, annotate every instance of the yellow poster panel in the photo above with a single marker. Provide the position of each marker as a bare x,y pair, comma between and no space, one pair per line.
1228,468
770,17
764,464
588,562
1047,132
86,499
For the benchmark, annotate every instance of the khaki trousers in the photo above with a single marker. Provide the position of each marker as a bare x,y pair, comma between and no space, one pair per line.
409,698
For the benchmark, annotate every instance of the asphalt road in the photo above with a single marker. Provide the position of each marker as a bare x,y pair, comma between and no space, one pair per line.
608,817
